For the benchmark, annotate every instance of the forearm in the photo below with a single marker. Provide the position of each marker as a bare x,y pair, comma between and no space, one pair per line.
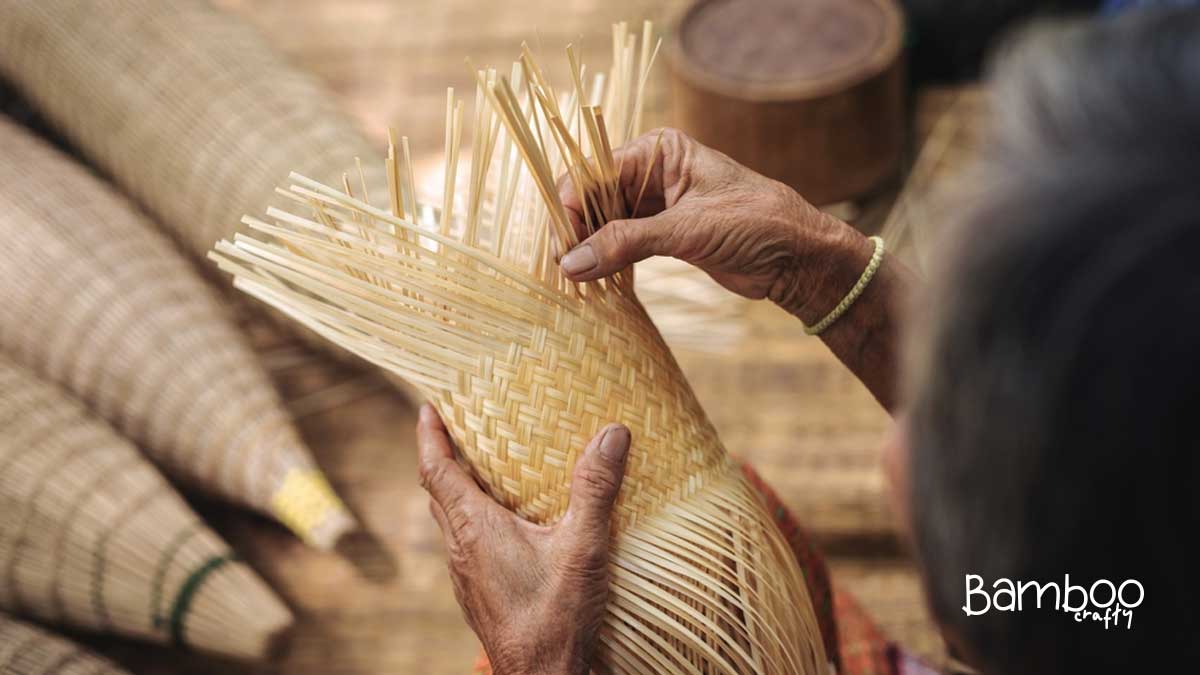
867,337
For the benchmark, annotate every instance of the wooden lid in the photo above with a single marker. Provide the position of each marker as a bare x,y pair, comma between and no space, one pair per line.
785,49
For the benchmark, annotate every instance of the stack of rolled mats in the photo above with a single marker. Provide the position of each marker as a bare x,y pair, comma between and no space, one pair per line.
122,373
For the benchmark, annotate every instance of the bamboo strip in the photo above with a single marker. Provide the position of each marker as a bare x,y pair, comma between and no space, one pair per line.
28,650
530,365
94,299
91,536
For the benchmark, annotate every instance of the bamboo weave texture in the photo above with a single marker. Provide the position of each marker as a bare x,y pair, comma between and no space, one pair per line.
94,298
92,536
29,650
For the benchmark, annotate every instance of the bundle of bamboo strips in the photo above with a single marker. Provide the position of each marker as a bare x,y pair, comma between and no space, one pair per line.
28,650
465,299
92,536
93,298
690,309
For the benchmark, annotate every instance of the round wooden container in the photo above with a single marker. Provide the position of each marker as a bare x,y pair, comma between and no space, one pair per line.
809,92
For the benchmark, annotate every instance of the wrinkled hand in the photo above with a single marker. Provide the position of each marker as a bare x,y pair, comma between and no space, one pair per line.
753,235
535,595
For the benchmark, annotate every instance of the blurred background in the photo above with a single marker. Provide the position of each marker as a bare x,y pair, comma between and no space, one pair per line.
779,400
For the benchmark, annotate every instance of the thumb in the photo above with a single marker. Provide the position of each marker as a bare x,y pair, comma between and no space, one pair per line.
616,246
597,480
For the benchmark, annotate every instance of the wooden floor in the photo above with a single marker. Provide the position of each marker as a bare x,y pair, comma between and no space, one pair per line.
778,398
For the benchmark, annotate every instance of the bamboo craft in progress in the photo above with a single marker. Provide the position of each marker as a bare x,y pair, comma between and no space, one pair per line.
465,299
92,536
29,650
93,298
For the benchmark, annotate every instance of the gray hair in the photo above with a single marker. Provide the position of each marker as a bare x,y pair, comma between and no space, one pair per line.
1051,374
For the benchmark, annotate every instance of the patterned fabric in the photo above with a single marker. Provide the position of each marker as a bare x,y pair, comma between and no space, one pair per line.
863,648
852,640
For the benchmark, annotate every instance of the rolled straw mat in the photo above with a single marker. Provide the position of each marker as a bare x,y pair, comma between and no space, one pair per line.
29,650
94,298
187,108
92,536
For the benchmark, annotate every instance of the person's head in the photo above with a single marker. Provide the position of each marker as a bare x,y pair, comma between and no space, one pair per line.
1053,371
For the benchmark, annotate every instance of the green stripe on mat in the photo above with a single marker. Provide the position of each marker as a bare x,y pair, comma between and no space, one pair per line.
183,600
160,570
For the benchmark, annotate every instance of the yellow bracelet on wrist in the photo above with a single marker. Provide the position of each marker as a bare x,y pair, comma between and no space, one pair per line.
855,292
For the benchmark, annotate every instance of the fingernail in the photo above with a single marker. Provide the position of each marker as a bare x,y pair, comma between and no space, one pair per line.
579,259
614,444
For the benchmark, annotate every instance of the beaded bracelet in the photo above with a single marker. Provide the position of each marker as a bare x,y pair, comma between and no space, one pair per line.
859,287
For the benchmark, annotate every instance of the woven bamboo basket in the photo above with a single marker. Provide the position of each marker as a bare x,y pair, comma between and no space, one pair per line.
29,650
93,298
464,299
92,536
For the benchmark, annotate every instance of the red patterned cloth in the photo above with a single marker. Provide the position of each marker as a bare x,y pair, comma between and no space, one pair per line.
863,649
852,640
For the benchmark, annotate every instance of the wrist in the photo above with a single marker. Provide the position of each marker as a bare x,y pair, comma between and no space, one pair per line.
830,256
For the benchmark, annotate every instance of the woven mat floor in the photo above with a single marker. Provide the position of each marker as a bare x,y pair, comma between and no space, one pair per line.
778,398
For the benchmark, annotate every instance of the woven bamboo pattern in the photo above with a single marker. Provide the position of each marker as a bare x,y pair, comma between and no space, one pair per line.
463,298
92,536
29,650
95,299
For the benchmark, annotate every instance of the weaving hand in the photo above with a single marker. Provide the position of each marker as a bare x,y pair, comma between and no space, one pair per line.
534,594
755,236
